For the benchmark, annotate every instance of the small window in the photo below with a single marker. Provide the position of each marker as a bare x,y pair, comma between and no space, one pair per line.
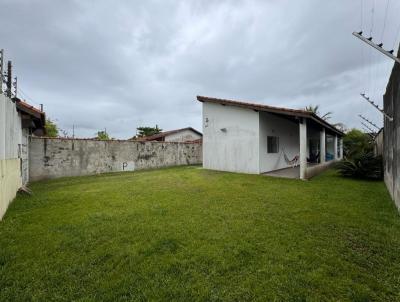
273,144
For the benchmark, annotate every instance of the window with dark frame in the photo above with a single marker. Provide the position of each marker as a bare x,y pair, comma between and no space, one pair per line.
272,144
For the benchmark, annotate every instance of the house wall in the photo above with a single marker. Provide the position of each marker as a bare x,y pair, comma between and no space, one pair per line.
236,147
391,135
53,158
378,144
288,133
10,140
183,136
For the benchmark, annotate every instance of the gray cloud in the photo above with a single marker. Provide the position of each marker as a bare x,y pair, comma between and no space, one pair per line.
117,66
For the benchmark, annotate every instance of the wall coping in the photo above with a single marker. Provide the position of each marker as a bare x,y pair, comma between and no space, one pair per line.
110,140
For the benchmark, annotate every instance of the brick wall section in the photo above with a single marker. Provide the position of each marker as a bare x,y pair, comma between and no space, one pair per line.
55,157
391,134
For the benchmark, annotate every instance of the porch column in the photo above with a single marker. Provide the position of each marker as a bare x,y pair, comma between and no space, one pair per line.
303,148
322,146
335,149
341,148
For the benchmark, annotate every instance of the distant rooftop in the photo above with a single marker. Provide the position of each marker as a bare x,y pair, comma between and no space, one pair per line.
166,133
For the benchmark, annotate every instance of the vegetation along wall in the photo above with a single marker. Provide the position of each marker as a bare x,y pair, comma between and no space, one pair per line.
58,157
391,134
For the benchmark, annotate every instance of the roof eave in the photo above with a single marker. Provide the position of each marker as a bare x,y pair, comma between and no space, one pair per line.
271,109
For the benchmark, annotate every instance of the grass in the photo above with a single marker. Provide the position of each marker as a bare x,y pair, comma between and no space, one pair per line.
190,234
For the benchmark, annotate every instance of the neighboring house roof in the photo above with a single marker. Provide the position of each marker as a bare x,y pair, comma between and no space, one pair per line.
36,119
196,141
166,133
271,109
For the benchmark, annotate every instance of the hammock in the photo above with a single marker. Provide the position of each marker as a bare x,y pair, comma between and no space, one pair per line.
292,162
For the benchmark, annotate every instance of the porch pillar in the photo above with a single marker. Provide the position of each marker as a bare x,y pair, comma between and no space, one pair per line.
335,147
341,148
322,146
303,148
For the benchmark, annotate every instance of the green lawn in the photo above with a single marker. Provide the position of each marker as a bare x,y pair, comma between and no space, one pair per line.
191,234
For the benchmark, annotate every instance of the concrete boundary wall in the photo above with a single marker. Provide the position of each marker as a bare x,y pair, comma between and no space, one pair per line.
10,182
391,134
58,157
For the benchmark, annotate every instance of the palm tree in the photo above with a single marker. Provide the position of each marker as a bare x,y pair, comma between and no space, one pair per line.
315,110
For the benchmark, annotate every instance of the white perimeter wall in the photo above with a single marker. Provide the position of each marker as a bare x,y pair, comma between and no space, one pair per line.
288,133
183,136
237,148
10,141
10,129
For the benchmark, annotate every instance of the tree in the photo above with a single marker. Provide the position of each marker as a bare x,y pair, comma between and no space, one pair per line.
356,142
102,135
148,131
51,128
342,127
315,110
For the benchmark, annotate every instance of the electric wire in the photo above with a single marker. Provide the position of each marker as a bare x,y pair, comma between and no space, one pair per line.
384,20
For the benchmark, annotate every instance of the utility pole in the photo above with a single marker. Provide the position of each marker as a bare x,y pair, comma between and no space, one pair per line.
376,46
377,107
1,69
9,79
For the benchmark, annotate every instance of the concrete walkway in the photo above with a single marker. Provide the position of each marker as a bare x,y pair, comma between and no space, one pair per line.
285,173
292,172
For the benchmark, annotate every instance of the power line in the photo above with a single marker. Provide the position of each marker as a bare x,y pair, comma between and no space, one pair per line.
26,96
396,37
366,126
384,20
369,122
361,16
370,54
371,30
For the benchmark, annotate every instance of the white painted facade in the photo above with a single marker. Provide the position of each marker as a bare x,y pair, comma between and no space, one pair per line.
185,135
235,139
230,138
288,134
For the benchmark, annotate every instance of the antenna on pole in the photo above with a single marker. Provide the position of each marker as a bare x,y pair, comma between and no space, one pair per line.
367,132
369,129
1,69
369,122
376,46
377,107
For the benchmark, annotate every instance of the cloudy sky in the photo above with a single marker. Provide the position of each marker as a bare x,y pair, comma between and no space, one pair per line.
121,64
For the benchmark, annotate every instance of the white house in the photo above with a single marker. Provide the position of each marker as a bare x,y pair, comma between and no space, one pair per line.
253,138
188,134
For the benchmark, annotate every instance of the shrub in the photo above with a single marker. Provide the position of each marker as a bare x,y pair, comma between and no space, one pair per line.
365,165
356,143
